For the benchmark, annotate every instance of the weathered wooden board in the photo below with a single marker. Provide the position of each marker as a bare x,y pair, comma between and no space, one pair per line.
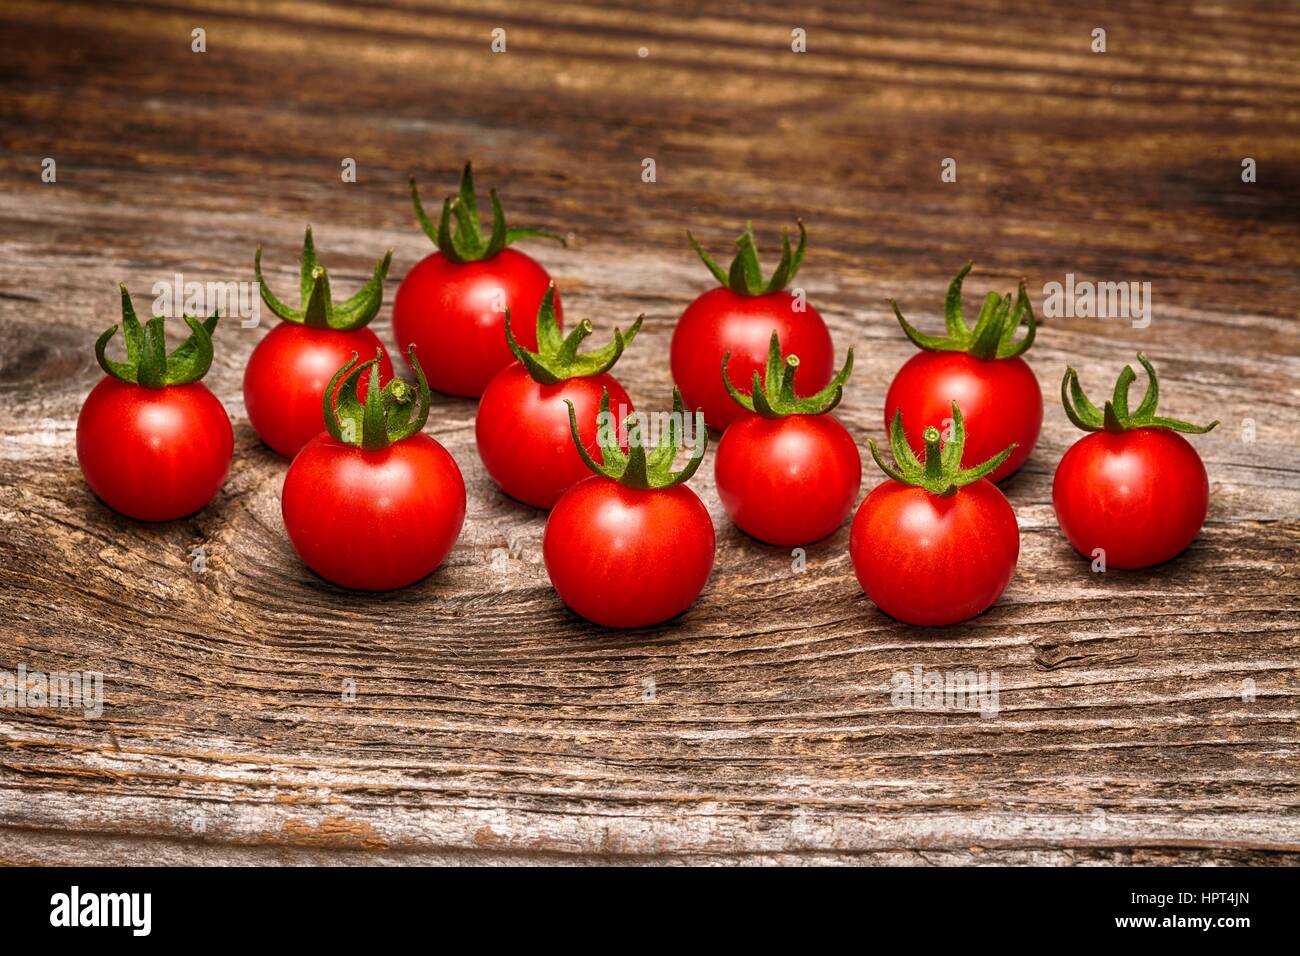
1143,716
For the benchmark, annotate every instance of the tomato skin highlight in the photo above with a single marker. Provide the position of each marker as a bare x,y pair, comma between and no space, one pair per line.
447,310
1141,496
788,481
373,520
931,560
155,454
1000,399
627,557
721,321
523,437
286,377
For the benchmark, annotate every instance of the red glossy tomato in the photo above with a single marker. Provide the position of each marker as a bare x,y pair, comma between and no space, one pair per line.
156,454
373,520
790,480
1000,399
722,321
523,435
285,380
1141,496
455,315
628,557
931,560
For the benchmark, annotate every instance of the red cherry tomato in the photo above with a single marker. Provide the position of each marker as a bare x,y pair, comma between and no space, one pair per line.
1134,492
633,546
937,543
373,520
372,503
980,369
452,305
523,427
1140,496
455,315
931,560
787,471
1000,398
720,321
788,481
155,454
286,378
152,441
522,430
628,557
739,319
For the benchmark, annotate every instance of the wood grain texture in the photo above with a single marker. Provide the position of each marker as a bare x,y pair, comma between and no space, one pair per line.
490,724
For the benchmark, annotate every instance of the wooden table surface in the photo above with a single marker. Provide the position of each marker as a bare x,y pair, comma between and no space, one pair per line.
1144,716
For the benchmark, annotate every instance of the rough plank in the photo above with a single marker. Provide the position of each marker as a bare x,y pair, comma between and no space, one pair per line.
490,725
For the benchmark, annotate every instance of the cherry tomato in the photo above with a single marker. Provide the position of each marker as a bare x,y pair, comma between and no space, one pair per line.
285,379
454,313
739,319
152,441
631,546
156,454
931,560
373,520
628,557
368,507
452,304
1134,492
1001,394
981,370
787,471
522,426
788,481
934,546
1141,496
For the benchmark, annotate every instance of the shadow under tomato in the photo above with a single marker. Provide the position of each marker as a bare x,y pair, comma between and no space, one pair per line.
1190,556
957,629
738,534
670,629
407,592
160,524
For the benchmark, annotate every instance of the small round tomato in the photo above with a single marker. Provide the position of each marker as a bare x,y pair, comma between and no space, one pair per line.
628,557
372,504
739,319
373,520
1134,493
981,370
452,304
154,453
285,379
631,546
152,441
1002,394
787,471
522,427
934,545
930,560
788,481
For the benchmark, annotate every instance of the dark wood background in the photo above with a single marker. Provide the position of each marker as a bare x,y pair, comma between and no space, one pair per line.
489,723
